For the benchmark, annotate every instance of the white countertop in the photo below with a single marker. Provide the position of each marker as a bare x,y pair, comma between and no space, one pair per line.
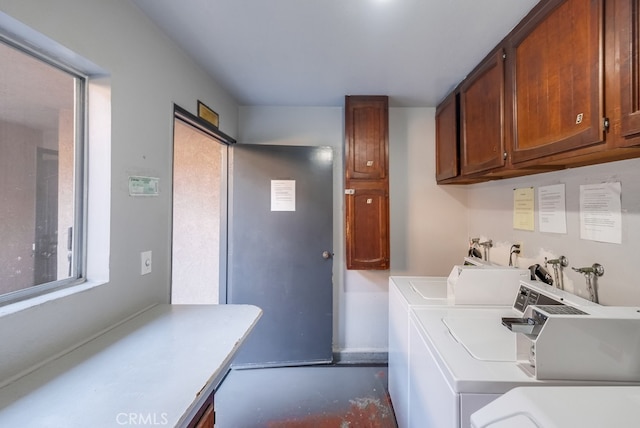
159,366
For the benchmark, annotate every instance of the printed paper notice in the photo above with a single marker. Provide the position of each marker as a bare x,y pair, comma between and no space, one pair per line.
552,215
283,195
600,212
523,213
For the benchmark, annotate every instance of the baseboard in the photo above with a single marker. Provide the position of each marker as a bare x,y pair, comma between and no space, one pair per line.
344,357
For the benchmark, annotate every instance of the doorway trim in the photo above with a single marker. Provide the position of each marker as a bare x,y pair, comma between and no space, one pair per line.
206,128
202,125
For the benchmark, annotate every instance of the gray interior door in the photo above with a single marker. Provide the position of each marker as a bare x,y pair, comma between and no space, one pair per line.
280,248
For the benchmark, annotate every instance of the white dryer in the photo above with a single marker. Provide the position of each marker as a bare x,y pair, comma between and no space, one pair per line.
464,358
471,284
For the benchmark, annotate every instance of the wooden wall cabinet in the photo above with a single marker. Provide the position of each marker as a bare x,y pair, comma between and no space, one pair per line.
205,417
568,95
556,63
628,21
367,228
367,182
482,136
447,138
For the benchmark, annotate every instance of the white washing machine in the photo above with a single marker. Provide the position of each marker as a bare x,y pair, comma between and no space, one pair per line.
561,407
461,359
469,284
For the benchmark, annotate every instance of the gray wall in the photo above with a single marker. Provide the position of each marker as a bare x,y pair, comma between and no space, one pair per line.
491,215
428,222
147,75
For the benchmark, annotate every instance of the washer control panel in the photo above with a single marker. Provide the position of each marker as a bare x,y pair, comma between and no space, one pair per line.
527,296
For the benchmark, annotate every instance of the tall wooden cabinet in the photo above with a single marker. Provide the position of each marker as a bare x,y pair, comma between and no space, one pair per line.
367,182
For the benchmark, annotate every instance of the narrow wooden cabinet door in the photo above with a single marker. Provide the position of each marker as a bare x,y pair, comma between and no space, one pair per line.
482,117
629,33
556,62
367,229
205,417
367,137
447,144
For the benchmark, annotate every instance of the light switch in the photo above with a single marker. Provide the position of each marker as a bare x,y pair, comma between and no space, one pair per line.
145,262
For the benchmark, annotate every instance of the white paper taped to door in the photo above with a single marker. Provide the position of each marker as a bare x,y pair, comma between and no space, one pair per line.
283,195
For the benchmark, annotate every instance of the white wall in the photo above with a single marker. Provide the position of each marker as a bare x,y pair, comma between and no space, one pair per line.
148,74
428,222
491,215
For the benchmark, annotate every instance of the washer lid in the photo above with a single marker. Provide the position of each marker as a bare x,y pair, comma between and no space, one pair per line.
483,337
519,420
429,289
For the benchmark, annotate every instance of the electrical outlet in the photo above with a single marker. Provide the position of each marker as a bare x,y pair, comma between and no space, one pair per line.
145,262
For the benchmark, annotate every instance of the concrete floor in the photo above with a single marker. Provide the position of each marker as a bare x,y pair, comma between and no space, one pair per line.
335,396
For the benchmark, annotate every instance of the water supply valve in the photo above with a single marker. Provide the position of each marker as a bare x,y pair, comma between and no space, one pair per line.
591,273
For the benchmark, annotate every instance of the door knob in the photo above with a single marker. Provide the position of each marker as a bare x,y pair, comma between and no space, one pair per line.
326,255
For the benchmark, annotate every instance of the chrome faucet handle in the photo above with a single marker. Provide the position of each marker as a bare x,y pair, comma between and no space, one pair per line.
485,248
562,261
591,273
595,269
557,265
487,244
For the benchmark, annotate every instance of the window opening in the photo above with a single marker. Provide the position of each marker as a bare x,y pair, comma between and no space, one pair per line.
42,106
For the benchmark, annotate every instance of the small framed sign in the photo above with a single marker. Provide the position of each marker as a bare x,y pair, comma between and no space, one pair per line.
207,114
143,186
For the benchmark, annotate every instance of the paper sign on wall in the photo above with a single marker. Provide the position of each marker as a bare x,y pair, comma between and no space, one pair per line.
523,208
283,195
552,214
601,213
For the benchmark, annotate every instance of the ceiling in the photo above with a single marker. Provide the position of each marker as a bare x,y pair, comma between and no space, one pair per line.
314,52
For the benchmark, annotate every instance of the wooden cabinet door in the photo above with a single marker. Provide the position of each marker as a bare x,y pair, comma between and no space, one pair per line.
482,117
628,31
556,62
367,182
447,143
205,417
367,130
367,228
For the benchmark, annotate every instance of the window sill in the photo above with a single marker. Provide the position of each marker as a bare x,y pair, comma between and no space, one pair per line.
13,308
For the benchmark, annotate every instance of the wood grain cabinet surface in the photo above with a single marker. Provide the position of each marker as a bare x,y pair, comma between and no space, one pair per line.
206,416
567,94
628,23
447,138
367,134
482,117
367,182
556,61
